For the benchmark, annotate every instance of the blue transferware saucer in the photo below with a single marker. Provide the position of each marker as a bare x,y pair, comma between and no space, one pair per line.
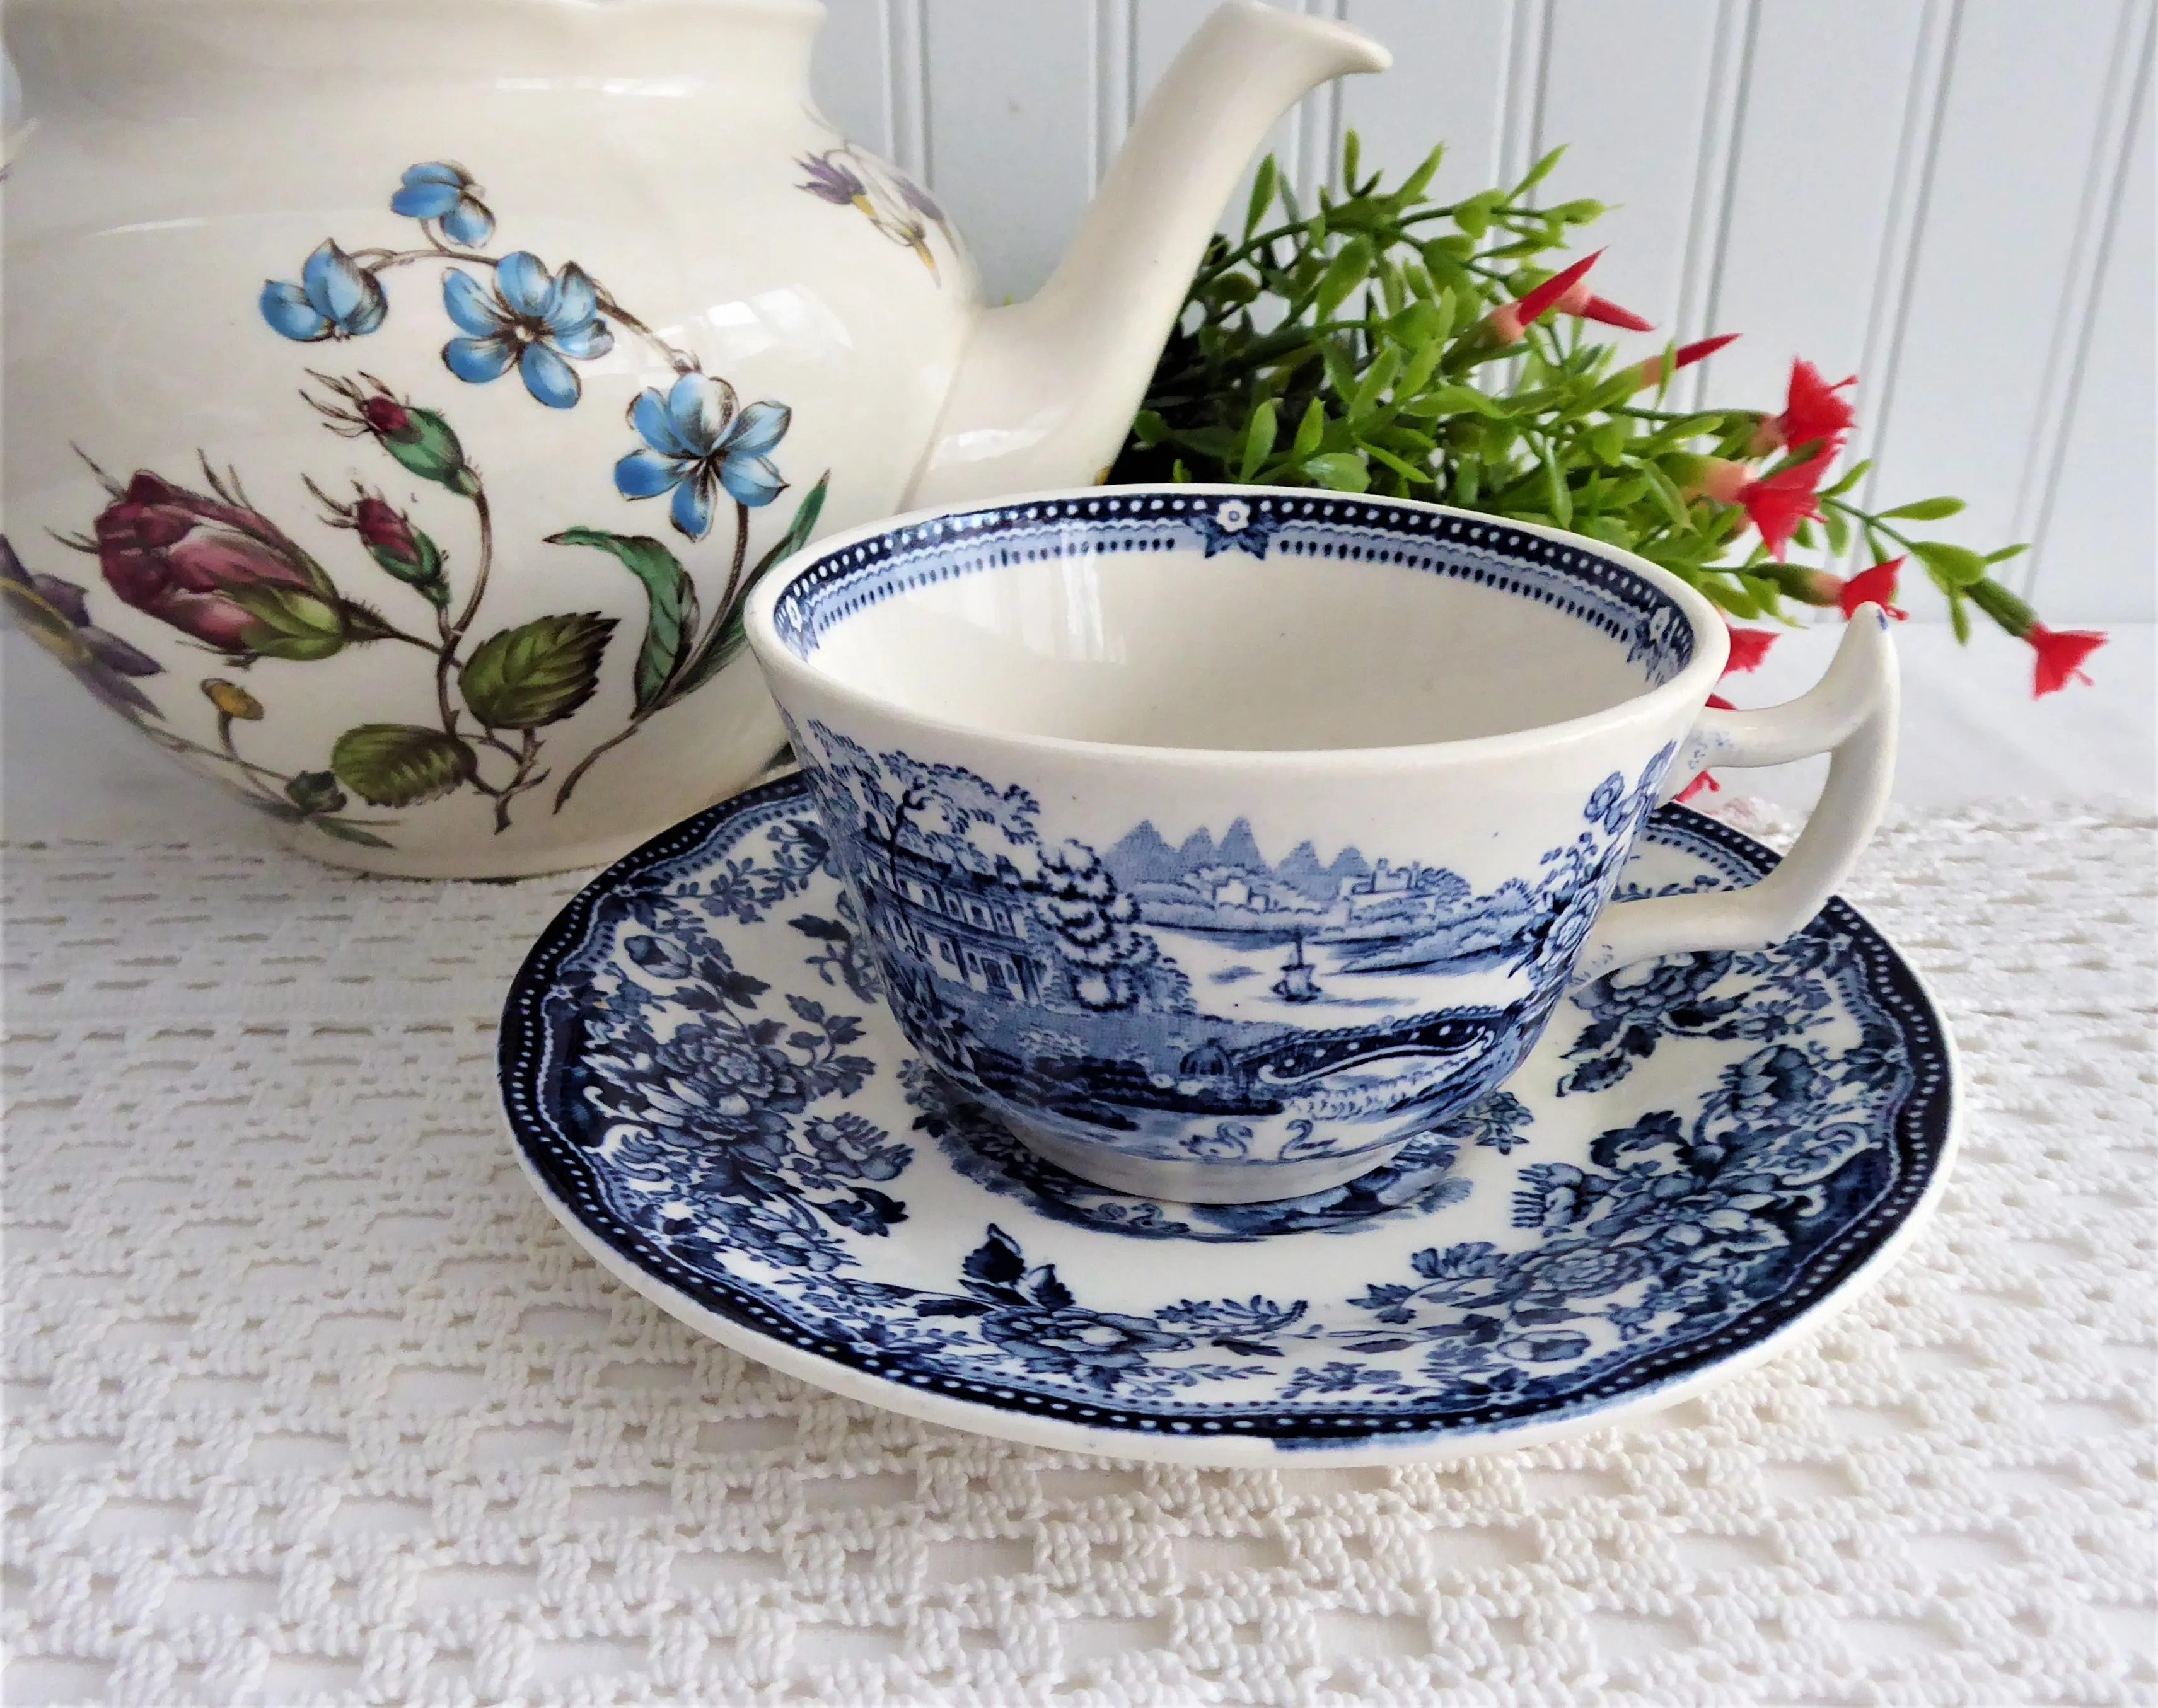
1705,1156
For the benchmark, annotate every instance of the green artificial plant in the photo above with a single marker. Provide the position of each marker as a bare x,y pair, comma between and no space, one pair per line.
1387,343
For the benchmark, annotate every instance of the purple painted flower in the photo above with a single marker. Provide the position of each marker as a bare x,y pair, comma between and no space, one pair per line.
56,615
445,193
832,180
698,441
917,198
336,298
533,318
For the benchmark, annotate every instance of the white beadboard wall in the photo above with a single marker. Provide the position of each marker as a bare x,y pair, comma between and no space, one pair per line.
1952,197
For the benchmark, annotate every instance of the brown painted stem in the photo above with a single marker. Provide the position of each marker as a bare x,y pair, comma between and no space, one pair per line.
519,783
569,783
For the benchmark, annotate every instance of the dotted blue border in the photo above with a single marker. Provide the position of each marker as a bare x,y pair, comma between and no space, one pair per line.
540,1026
1486,551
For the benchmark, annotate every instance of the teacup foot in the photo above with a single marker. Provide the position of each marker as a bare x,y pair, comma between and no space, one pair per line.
1201,1183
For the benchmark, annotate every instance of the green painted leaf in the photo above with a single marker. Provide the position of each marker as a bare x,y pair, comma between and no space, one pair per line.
350,833
797,531
400,765
719,651
672,629
539,673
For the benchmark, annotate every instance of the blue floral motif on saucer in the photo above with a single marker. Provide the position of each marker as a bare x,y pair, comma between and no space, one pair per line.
1702,1156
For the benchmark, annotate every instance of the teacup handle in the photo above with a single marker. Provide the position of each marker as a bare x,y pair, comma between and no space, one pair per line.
1851,712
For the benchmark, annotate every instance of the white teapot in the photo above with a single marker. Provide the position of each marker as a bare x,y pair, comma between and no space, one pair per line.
401,398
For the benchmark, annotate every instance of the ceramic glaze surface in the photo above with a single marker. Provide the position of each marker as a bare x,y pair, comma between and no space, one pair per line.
1223,840
1252,1028
404,401
1703,1154
1197,622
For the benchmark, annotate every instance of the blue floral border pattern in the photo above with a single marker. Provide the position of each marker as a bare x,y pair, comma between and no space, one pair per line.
705,1138
1480,550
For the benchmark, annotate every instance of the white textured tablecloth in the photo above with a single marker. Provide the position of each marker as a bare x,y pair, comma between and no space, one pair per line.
308,1400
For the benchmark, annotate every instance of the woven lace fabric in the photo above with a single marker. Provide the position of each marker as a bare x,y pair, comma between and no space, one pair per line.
308,1400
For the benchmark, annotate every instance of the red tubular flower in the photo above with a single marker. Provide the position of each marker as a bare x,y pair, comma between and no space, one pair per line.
2061,654
1777,503
1716,477
1603,309
1812,412
1873,586
1748,647
178,556
1651,372
1579,302
1511,320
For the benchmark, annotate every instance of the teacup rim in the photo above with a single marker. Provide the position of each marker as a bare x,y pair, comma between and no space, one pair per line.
1693,684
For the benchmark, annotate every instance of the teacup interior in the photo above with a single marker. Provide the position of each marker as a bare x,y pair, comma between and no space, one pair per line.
1321,643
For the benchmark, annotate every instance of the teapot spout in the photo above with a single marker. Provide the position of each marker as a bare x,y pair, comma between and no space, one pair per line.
1047,387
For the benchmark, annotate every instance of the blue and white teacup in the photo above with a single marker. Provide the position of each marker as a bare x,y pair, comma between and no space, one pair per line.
1220,840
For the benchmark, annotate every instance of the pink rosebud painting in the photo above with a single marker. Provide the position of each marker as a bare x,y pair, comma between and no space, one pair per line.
179,556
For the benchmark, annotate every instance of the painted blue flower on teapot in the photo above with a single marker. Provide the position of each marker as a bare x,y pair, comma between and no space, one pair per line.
478,650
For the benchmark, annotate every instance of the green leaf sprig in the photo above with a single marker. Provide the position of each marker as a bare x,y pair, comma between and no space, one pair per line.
1388,343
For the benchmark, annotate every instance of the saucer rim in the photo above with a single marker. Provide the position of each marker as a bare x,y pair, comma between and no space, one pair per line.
1251,1449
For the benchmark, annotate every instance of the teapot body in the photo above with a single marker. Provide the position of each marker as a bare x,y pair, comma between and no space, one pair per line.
403,398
